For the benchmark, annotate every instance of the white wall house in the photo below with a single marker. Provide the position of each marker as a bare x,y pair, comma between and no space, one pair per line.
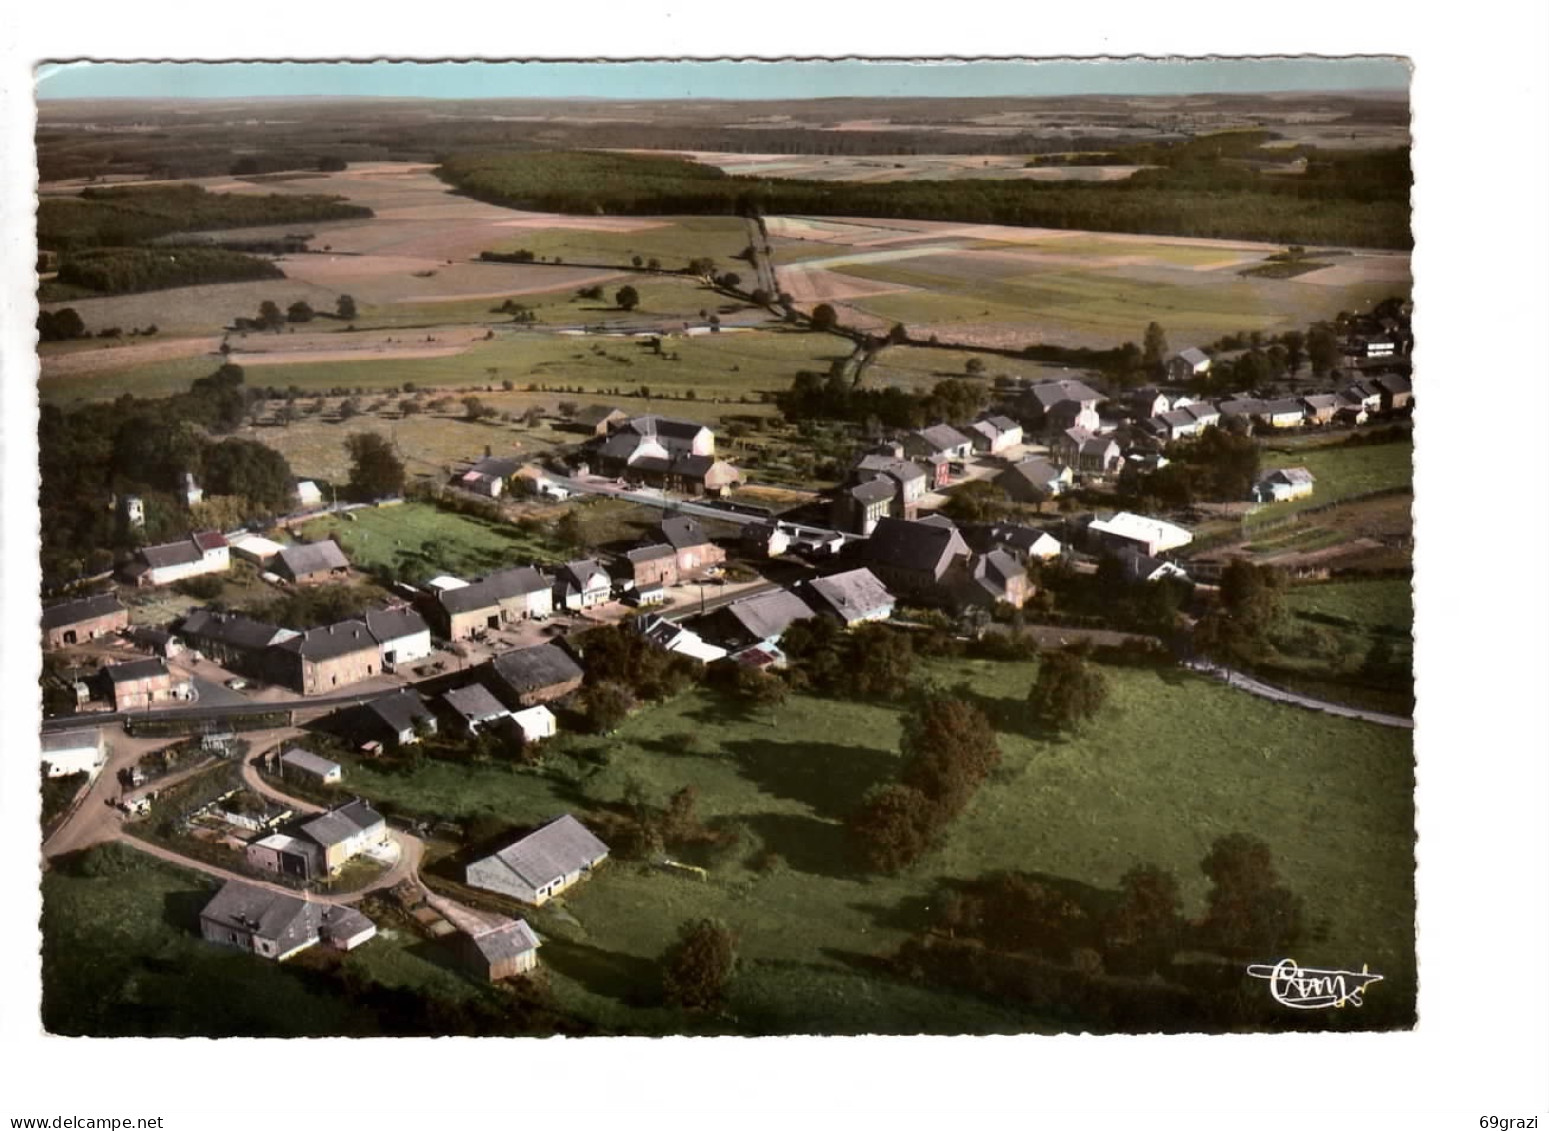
541,865
175,561
402,635
536,723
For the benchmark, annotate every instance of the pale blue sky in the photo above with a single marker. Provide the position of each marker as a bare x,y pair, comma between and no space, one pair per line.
735,80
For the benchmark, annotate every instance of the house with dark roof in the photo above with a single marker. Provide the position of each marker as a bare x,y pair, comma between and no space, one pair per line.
912,558
1242,408
909,479
205,552
987,580
1042,398
1282,484
542,864
502,951
235,642
760,619
473,707
1034,480
665,452
344,832
1189,363
1139,568
320,661
1320,407
1396,391
1287,412
581,584
938,440
274,925
139,684
858,508
766,539
390,720
994,434
312,562
487,603
85,618
853,597
1027,542
598,419
401,634
488,477
1147,402
528,676
694,551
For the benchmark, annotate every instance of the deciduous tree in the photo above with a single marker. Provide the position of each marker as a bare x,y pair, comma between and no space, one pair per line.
697,968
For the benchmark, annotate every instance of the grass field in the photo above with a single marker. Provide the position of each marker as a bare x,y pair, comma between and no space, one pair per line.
396,536
1385,605
1164,771
725,366
1340,471
674,243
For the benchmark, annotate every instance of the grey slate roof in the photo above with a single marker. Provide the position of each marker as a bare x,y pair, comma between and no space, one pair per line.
496,467
853,594
341,922
394,624
1292,475
767,615
83,608
318,644
543,665
474,703
137,669
670,430
872,491
903,470
1050,393
1242,406
942,436
1193,356
503,943
1282,406
561,847
340,824
650,553
231,629
285,920
400,711
917,546
308,761
1036,472
181,552
580,571
680,531
595,414
314,557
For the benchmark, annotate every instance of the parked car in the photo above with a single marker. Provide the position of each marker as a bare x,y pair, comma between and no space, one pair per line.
237,684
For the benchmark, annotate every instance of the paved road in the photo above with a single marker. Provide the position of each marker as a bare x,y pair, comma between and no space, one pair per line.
698,510
1265,691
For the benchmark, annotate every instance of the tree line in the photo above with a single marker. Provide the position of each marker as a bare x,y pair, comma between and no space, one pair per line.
127,270
1360,200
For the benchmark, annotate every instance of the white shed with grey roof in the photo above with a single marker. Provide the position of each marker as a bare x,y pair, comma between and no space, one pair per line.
306,765
542,864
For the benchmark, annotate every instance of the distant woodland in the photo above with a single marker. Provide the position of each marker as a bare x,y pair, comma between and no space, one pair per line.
1209,190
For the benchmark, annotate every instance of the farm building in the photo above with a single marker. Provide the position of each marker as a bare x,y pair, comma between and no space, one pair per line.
535,723
312,562
760,619
392,720
488,477
908,478
854,597
500,952
598,420
1042,399
68,752
675,638
231,640
987,580
529,676
473,707
994,434
1282,484
1396,391
1151,536
858,509
504,597
1137,567
1148,402
766,539
1320,407
912,558
1025,541
273,925
194,556
309,767
256,549
283,855
542,864
1189,363
86,618
938,439
1284,413
1034,480
308,494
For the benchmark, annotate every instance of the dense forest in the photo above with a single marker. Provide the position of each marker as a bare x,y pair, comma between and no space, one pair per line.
1356,199
124,217
89,455
124,270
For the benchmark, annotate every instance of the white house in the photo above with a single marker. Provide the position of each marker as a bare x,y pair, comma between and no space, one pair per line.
255,548
306,765
995,434
582,584
402,635
73,752
308,494
206,552
1189,363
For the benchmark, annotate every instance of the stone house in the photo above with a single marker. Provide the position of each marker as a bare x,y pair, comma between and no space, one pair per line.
86,618
529,676
319,661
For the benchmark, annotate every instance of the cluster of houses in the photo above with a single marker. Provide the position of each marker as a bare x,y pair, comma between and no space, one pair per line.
209,552
319,845
656,451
